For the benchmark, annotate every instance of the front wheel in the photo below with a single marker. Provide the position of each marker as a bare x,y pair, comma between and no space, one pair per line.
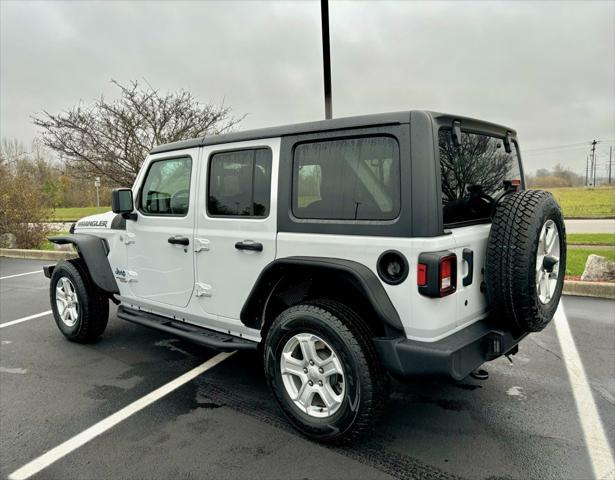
324,371
80,309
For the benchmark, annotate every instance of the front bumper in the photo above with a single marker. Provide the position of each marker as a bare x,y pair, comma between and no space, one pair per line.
456,355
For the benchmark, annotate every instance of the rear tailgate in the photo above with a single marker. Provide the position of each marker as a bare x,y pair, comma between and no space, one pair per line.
471,249
476,167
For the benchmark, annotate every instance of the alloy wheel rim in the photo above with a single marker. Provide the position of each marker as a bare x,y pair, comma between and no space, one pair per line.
67,302
313,375
547,261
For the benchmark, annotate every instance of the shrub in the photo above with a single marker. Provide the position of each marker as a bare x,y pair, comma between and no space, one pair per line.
23,209
548,182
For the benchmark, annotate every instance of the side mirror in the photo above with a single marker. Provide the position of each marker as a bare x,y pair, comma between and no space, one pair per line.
121,200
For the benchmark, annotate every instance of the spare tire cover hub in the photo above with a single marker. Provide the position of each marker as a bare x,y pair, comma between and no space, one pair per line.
547,261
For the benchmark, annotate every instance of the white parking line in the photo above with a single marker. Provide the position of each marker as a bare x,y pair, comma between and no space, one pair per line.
24,319
20,274
596,441
84,437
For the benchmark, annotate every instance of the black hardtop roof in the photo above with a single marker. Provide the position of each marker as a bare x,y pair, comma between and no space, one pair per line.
360,121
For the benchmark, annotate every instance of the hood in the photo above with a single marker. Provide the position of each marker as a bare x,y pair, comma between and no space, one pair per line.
95,222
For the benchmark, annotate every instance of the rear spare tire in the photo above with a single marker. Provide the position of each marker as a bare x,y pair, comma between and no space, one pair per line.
526,260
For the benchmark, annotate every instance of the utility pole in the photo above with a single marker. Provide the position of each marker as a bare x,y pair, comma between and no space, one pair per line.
326,56
610,162
594,161
586,169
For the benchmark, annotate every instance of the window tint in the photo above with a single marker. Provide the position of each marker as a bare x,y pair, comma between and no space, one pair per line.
166,189
240,183
351,179
478,166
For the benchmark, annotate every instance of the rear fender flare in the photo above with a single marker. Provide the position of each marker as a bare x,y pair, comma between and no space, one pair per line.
366,280
93,250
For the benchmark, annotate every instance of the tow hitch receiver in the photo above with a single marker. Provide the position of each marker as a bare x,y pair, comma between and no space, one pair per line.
493,346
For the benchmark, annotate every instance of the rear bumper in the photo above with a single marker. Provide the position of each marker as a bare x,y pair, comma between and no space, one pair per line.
456,355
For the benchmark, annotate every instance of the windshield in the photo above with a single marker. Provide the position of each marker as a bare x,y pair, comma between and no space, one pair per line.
473,174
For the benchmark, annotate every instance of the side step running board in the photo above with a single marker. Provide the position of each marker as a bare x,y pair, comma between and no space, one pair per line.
198,335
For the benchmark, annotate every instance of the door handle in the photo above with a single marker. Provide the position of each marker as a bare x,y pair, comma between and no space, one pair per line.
248,245
468,256
179,241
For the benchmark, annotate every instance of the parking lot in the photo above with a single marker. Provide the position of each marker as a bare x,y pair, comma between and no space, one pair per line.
551,414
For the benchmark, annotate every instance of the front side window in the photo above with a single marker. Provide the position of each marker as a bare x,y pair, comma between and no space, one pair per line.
473,174
350,179
240,183
166,189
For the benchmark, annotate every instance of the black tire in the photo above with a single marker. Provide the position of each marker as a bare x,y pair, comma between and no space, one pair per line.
512,256
93,305
366,381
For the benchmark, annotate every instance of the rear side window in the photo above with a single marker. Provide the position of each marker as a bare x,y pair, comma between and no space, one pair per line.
476,168
350,179
166,189
240,183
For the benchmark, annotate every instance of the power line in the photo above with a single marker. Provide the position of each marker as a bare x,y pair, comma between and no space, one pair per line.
571,145
557,147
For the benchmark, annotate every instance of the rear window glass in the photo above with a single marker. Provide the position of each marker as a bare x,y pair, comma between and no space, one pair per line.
349,179
470,172
240,183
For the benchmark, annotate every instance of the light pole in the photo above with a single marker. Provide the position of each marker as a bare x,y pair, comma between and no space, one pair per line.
326,57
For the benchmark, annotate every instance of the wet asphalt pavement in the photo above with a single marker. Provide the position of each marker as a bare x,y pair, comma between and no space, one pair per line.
520,423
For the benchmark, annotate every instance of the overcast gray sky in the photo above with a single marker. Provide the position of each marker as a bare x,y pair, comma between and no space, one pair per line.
544,68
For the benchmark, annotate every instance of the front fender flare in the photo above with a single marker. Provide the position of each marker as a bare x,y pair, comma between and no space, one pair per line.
93,250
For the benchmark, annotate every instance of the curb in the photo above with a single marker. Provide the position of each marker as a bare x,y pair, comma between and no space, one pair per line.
37,254
589,289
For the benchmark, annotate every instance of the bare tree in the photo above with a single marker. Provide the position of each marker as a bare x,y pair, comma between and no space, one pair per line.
11,152
112,138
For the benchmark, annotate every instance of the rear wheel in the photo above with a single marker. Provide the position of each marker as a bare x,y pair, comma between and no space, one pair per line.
80,309
324,371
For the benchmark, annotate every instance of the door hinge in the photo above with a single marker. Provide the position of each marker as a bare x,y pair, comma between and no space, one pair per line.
201,244
202,290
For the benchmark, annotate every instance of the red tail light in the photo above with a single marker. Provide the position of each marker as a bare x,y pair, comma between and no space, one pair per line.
421,275
436,274
447,281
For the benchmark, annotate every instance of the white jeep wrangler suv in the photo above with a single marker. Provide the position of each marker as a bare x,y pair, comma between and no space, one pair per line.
342,250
